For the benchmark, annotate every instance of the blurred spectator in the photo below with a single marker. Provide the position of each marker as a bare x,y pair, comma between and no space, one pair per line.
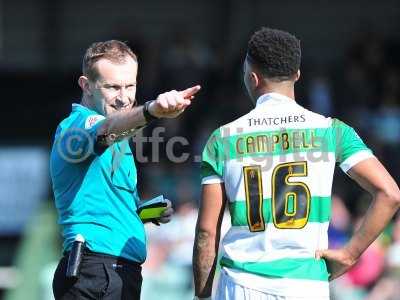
387,288
386,120
320,96
185,60
370,266
339,228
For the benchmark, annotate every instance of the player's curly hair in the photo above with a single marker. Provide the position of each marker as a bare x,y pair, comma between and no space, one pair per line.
276,53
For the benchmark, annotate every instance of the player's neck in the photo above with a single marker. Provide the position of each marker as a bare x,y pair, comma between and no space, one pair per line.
283,88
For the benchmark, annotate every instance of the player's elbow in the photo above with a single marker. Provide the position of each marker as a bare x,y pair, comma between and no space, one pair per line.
392,195
206,233
208,227
396,198
204,242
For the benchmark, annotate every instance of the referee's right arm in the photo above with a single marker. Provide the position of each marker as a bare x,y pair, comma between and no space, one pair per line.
167,105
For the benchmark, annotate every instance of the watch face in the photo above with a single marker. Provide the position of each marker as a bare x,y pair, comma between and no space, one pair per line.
149,117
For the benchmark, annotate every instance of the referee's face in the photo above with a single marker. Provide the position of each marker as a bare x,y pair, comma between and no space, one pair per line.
115,87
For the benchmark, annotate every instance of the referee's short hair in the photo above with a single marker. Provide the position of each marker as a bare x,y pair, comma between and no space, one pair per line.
113,50
275,53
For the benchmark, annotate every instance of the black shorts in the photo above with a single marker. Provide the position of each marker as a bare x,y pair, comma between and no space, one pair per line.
100,277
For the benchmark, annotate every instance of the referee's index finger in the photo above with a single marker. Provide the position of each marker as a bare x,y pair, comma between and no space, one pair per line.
190,92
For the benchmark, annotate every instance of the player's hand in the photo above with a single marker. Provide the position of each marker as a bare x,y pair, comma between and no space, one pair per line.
171,104
166,215
339,261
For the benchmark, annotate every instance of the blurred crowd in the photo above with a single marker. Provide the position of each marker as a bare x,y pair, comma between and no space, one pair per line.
362,89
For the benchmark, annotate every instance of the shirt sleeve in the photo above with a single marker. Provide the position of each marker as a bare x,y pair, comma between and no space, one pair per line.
350,148
212,164
78,141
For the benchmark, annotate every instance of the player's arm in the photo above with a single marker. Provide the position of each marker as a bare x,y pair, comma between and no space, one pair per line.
207,237
123,124
373,177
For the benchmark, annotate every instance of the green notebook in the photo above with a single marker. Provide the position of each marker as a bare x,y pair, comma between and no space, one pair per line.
152,209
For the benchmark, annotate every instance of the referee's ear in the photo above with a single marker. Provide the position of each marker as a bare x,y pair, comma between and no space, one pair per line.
83,82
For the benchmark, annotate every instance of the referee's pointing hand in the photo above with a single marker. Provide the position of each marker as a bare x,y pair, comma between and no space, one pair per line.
171,104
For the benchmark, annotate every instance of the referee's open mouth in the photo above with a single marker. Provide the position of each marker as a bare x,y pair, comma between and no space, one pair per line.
121,108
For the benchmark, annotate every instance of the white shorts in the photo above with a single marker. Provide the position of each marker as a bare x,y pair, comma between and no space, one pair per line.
229,290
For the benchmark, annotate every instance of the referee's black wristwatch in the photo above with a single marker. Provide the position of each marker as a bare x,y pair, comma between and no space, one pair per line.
147,115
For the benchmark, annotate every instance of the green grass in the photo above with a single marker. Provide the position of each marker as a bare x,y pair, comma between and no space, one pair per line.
35,258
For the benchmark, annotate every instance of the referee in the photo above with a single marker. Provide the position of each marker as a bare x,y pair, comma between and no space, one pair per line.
94,176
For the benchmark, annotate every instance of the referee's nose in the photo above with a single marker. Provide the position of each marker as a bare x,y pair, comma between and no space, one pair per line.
122,102
122,98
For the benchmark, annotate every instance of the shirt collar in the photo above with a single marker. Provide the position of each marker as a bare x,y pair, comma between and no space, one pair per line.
273,99
80,107
76,106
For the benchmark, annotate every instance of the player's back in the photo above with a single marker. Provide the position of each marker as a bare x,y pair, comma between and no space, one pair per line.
277,164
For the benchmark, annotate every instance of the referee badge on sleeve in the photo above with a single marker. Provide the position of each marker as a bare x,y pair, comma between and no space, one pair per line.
93,120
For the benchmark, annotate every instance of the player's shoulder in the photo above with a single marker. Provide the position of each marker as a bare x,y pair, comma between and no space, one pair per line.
236,126
316,120
336,127
309,119
337,123
227,130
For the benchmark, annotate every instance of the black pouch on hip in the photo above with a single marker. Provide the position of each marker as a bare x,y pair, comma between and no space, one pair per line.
75,257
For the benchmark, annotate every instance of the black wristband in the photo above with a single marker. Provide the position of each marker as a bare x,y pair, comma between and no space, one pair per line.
147,116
